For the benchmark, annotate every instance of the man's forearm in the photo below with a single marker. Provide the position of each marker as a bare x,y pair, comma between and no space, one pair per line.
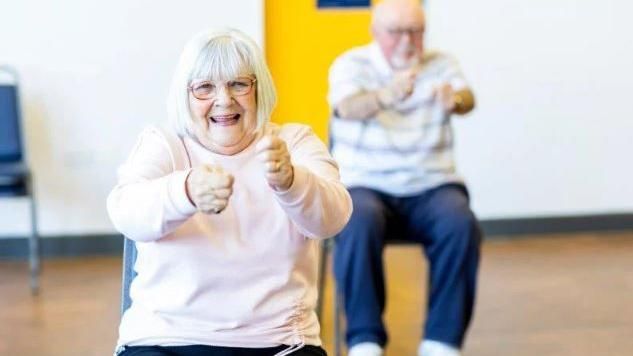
464,101
366,105
359,107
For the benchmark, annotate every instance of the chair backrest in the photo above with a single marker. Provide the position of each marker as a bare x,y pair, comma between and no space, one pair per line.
10,133
129,258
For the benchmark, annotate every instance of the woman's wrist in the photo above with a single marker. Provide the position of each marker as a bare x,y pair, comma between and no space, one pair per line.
187,188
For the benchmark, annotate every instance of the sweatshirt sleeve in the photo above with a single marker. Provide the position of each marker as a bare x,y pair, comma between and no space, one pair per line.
317,202
149,200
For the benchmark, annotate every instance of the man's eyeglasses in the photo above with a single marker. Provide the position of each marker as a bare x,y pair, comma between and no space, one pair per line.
207,89
411,31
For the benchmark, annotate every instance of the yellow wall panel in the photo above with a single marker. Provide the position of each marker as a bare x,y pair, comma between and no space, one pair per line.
301,43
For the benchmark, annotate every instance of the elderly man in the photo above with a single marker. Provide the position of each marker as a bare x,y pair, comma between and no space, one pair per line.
391,104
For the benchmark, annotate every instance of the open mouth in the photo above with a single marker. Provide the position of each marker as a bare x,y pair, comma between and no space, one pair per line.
225,120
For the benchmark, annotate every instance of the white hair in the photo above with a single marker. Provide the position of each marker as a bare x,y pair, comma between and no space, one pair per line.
218,55
388,10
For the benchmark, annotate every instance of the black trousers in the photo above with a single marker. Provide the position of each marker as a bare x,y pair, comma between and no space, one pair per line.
204,350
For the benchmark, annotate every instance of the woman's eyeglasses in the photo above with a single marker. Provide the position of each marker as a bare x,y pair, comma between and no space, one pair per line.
207,89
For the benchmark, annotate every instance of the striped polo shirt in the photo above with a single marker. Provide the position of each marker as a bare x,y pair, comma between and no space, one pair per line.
403,150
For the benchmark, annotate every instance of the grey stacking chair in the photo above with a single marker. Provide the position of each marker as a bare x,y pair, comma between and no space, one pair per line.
394,234
15,175
337,299
129,258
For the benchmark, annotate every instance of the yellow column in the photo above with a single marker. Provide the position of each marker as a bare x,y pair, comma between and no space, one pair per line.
301,43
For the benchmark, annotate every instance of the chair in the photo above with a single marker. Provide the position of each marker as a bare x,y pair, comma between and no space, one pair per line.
15,176
327,249
129,258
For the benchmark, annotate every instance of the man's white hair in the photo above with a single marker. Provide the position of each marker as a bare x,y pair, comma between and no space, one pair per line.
218,55
381,11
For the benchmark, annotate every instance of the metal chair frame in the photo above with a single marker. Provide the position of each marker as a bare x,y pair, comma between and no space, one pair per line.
15,175
338,307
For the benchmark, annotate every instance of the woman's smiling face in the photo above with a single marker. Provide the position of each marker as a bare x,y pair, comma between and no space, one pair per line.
224,112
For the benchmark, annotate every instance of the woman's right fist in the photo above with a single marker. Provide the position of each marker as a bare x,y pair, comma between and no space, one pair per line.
209,188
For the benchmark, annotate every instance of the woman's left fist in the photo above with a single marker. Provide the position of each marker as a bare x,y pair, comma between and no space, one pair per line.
273,153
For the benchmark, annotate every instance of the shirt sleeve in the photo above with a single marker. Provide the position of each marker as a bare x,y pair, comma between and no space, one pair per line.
149,200
452,73
317,202
346,78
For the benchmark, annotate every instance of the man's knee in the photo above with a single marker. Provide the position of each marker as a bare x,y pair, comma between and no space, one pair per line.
367,226
462,231
460,216
455,220
368,207
452,200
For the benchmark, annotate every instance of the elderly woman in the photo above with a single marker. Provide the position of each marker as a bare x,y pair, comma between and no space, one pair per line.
227,211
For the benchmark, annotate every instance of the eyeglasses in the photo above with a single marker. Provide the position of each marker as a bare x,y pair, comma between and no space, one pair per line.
411,31
207,89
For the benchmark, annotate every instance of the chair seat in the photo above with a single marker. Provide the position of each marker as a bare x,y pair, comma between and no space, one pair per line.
14,190
13,169
13,179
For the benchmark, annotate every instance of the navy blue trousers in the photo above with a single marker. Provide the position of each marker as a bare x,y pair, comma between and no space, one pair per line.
442,221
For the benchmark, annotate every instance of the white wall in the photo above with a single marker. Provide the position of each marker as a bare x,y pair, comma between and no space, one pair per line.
92,75
554,124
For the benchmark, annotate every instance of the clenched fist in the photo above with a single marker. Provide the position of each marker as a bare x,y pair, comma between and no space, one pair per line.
446,96
209,188
278,170
399,89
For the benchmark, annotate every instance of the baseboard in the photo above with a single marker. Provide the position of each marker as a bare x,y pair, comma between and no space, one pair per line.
112,244
65,246
553,225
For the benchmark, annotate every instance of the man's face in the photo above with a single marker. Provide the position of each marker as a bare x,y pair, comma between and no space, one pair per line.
399,33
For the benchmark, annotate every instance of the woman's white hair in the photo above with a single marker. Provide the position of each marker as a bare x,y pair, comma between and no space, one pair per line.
219,55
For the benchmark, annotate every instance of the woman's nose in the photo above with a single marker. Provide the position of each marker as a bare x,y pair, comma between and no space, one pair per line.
223,96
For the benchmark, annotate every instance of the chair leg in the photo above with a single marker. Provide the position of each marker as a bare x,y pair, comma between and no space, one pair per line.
337,302
322,280
34,248
337,323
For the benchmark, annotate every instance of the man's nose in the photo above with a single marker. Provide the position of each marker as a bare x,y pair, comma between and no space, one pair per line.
407,36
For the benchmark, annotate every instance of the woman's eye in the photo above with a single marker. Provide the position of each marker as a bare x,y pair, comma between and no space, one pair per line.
204,86
239,84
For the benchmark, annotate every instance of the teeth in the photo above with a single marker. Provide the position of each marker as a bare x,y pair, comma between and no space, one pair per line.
223,117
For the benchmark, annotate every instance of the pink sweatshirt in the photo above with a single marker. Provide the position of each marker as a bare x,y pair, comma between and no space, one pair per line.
243,278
